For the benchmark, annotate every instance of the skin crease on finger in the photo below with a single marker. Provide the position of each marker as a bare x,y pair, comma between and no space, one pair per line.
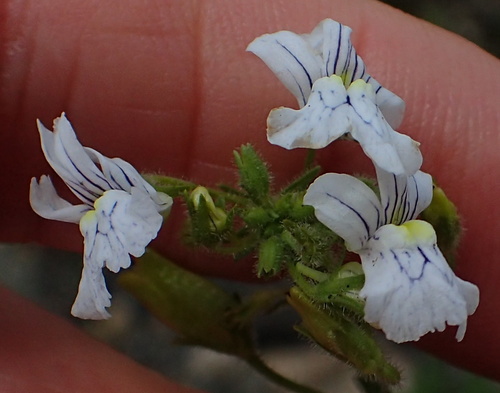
168,86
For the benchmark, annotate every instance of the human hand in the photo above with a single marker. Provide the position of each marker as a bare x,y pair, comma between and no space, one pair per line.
169,87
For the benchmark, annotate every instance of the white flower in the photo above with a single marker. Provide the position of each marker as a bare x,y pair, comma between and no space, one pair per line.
336,96
119,214
409,288
298,60
331,112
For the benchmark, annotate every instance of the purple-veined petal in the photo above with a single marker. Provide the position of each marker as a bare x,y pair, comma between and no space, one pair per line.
299,60
121,224
390,150
347,206
69,160
391,105
123,176
291,59
93,297
324,118
409,288
402,197
46,203
333,41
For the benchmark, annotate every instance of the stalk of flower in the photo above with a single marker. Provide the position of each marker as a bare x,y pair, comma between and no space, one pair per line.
409,288
336,96
118,217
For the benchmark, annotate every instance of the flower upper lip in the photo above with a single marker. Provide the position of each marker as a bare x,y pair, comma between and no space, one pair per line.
336,97
298,60
77,166
402,198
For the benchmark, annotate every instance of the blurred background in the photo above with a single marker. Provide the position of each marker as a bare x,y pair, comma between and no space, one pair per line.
50,278
476,20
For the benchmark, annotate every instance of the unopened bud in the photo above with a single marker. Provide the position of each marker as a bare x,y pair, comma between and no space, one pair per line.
217,216
270,255
443,216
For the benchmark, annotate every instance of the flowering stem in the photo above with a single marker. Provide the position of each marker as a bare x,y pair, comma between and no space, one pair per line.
258,365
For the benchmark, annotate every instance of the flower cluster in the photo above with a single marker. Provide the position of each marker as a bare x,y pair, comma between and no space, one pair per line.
409,288
119,212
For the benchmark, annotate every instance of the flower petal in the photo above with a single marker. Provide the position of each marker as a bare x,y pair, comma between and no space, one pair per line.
345,205
121,224
299,60
93,296
291,59
403,197
390,150
69,160
123,176
46,203
333,41
409,288
324,118
392,106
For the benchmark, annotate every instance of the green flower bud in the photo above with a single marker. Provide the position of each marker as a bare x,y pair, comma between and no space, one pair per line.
195,308
254,176
347,340
270,257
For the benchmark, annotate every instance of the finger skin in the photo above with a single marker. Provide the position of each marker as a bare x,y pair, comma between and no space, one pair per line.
168,86
56,357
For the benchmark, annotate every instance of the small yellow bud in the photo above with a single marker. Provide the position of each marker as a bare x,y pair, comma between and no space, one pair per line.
217,216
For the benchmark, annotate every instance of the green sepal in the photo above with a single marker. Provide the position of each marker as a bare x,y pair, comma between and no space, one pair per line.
348,340
340,289
193,307
254,176
302,182
314,244
290,206
443,216
270,257
202,229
